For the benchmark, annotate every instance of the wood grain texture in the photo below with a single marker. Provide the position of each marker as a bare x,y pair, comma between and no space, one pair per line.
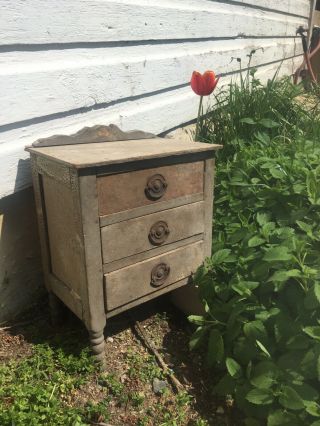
124,239
64,239
94,309
42,83
93,134
119,152
71,21
155,114
126,191
133,282
208,201
152,208
136,258
149,297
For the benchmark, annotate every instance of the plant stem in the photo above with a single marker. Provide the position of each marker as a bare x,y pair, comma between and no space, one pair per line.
198,119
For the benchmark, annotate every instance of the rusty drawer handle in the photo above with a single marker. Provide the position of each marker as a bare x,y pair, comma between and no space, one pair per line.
156,187
158,233
159,274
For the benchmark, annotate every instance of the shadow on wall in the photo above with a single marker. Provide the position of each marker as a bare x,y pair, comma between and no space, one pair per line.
20,264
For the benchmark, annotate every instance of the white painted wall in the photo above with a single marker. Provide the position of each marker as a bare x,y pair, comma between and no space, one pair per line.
66,64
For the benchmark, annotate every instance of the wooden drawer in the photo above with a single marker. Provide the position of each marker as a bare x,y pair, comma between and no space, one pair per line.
145,233
126,191
135,281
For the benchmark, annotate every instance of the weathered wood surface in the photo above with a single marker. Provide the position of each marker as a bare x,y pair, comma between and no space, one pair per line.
140,257
64,239
133,282
106,153
92,293
43,83
209,170
73,21
149,209
94,134
149,297
126,191
131,237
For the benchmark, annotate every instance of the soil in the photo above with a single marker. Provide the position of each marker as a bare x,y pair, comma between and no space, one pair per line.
132,365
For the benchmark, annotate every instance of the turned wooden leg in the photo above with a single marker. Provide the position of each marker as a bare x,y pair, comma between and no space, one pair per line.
97,346
57,310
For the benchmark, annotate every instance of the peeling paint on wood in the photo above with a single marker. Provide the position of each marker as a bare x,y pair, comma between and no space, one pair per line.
67,64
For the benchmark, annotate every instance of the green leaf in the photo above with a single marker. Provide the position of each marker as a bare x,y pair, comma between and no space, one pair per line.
283,275
215,347
220,256
233,368
316,290
289,398
197,338
264,375
316,423
313,332
263,348
277,173
255,330
247,120
269,124
263,218
277,254
255,241
282,418
196,319
306,392
260,396
245,287
304,226
225,386
313,408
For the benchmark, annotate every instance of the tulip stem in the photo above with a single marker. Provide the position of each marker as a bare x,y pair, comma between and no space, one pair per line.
198,119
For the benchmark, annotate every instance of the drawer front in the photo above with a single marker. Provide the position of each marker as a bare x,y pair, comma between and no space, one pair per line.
145,233
126,191
135,281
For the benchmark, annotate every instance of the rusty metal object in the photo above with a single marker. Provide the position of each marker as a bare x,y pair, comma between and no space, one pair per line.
156,187
159,274
159,233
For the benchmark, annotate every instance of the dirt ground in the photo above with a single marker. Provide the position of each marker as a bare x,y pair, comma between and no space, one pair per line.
130,381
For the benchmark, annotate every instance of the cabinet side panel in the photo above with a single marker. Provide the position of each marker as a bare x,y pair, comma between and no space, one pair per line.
64,239
208,199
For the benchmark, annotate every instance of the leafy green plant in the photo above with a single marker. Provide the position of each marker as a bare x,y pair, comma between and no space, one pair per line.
32,390
261,287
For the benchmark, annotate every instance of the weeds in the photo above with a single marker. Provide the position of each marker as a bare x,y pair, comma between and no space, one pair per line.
261,286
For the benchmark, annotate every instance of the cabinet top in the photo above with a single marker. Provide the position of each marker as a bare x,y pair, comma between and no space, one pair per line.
104,153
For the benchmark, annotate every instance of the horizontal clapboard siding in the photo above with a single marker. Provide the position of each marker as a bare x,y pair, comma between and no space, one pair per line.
298,7
74,21
64,81
66,64
157,113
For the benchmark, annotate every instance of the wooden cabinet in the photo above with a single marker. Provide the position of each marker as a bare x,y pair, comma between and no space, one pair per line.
120,222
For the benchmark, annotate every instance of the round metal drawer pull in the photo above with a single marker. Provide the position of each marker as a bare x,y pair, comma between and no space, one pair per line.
158,233
159,274
156,187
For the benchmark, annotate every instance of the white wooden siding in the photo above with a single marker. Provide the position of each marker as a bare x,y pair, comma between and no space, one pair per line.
65,64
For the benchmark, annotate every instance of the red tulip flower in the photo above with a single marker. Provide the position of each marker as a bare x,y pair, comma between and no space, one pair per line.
203,85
